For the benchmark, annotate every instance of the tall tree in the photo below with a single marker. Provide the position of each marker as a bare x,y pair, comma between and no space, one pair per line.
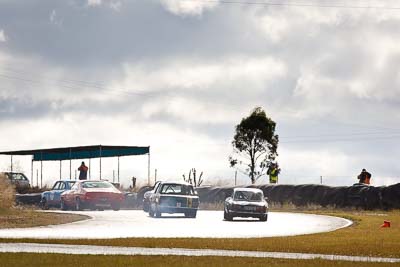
255,144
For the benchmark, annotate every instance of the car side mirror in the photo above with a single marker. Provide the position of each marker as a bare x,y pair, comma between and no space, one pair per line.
266,198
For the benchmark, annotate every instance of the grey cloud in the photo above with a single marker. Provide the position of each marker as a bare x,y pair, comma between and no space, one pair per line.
326,57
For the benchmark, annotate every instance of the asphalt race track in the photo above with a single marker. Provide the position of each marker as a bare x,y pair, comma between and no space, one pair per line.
136,223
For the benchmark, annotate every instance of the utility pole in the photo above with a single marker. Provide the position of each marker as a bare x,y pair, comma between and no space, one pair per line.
321,179
235,177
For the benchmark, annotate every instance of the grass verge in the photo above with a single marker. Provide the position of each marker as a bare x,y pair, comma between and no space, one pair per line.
364,238
50,260
21,218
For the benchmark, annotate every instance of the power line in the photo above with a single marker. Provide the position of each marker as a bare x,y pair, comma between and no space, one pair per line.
293,4
77,84
171,98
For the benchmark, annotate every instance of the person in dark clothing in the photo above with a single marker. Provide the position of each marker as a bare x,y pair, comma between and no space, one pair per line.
83,169
364,177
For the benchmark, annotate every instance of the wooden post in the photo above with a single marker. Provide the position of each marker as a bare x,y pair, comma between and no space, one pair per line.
148,170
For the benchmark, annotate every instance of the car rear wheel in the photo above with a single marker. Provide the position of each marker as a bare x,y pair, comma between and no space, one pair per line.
63,206
191,214
78,204
43,204
116,206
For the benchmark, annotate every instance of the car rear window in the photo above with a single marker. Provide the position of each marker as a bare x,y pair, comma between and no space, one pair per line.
177,189
96,185
248,196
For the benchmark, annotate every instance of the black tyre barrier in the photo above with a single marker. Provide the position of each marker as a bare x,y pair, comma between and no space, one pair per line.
357,196
28,199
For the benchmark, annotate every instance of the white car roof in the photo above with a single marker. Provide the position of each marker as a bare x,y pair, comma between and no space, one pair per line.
255,190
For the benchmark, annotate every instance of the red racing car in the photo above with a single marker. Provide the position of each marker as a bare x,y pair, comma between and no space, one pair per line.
92,195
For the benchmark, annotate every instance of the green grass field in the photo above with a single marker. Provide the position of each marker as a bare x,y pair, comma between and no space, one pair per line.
51,260
364,238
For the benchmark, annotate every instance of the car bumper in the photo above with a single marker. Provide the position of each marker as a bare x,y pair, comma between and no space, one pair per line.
169,209
101,203
249,214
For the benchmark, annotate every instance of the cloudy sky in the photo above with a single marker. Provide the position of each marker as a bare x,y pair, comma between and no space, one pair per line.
178,75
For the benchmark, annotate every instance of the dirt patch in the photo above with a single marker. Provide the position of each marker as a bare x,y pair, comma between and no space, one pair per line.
7,193
22,218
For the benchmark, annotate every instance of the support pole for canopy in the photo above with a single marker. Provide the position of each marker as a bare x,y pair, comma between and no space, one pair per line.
41,169
70,165
148,169
118,169
100,162
11,163
89,169
60,169
32,171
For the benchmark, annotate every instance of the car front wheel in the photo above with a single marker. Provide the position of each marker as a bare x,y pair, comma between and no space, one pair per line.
63,206
151,213
264,218
43,204
227,216
78,204
158,212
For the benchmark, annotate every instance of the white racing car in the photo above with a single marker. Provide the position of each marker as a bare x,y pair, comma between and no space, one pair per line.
246,202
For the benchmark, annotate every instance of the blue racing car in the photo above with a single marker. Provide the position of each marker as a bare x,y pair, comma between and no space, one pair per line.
52,198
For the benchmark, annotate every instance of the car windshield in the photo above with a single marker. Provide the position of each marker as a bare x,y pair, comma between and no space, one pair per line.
177,189
248,196
19,176
71,183
96,185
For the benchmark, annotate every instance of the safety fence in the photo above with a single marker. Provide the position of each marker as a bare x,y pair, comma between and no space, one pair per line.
358,195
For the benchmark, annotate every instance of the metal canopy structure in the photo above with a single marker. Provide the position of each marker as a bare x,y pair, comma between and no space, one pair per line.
79,152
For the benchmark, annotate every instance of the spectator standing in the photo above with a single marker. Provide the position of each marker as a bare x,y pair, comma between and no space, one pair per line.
273,172
364,177
83,169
